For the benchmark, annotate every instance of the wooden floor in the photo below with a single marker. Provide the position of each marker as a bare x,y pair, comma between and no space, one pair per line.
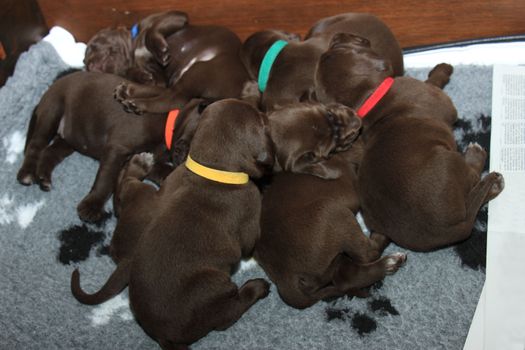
414,22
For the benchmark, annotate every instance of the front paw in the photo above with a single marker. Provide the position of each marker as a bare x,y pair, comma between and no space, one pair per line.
122,92
90,210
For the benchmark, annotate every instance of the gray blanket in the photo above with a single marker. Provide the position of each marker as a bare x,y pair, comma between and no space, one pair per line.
427,304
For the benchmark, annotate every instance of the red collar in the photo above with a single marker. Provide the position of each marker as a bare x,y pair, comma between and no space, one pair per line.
376,96
170,127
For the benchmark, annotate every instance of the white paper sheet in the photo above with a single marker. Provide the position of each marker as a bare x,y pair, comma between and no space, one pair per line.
480,54
499,322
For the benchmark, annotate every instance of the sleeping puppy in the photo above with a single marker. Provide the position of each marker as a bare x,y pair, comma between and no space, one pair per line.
110,51
290,75
368,26
138,55
205,217
311,245
67,120
199,62
285,68
414,186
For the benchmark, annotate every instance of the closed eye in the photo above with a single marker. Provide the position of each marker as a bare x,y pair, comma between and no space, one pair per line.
309,157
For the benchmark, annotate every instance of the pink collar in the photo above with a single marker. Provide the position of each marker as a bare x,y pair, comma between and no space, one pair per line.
376,96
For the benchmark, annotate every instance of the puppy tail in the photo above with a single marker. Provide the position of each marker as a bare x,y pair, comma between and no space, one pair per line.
115,284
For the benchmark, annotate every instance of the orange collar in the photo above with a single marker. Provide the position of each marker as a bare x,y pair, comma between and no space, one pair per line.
376,96
170,127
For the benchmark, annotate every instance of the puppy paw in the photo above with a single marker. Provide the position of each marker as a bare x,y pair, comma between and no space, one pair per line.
45,184
475,149
161,53
131,107
498,184
475,156
25,177
442,68
256,289
91,211
439,76
394,261
121,92
144,161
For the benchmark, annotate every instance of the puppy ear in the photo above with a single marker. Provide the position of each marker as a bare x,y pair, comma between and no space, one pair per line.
294,37
320,169
345,39
309,96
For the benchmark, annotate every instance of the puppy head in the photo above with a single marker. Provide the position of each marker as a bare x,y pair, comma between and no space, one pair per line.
348,70
233,135
305,135
185,127
255,46
109,51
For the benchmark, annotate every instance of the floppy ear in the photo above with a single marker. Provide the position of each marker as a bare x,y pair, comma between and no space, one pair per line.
322,169
348,39
309,96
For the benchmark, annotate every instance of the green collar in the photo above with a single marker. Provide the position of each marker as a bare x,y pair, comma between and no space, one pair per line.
267,62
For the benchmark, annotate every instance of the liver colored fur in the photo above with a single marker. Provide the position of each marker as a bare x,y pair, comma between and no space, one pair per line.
413,184
176,247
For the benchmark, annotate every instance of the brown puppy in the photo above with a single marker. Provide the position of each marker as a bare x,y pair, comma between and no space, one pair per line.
291,76
66,119
381,38
414,186
138,55
200,62
311,245
195,230
110,51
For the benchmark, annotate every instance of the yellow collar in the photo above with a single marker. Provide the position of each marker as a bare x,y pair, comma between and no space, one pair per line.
226,177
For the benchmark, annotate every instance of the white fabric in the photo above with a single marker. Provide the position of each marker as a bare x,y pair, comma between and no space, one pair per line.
479,54
71,52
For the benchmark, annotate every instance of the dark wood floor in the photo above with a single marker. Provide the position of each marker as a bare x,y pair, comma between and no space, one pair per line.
414,22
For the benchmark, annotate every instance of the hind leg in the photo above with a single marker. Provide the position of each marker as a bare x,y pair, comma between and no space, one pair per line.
351,277
163,27
440,75
91,207
496,184
50,157
130,180
134,203
475,157
231,310
359,247
46,120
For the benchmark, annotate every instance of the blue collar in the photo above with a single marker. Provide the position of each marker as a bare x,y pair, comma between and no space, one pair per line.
134,31
267,62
